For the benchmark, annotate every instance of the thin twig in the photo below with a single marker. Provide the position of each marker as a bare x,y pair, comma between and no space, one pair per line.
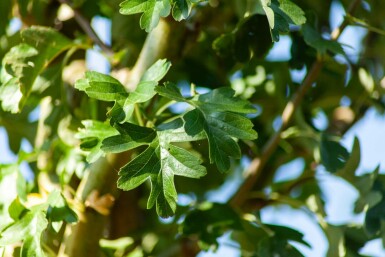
255,170
86,26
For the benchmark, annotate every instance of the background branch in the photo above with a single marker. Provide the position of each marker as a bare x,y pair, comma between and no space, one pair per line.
86,26
256,168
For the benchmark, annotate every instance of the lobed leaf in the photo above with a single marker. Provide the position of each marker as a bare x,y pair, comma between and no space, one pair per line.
280,14
170,91
140,169
131,136
157,71
152,11
159,163
58,209
217,114
28,229
181,9
101,87
315,40
222,100
92,136
24,62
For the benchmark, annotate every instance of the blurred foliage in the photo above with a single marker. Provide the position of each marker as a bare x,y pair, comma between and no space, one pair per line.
204,112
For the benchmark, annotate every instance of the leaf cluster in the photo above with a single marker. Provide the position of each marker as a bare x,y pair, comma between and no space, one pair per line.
216,116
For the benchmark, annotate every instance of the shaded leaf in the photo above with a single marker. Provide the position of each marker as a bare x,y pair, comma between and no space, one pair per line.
251,38
131,136
351,165
92,136
25,62
315,40
280,14
333,155
58,209
180,9
209,221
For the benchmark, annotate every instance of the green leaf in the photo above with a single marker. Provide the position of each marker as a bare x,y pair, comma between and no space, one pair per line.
350,167
119,143
182,163
233,124
144,91
315,40
157,71
170,91
59,209
92,136
139,169
217,113
10,95
16,209
102,87
131,136
194,122
220,128
222,147
280,14
222,100
333,155
180,9
106,88
374,216
251,38
29,230
26,61
292,10
269,12
175,132
8,181
152,11
160,162
209,221
163,193
269,240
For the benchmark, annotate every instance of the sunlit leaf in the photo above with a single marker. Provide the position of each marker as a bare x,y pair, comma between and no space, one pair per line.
152,11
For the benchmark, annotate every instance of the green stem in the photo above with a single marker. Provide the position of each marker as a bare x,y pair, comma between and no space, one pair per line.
138,115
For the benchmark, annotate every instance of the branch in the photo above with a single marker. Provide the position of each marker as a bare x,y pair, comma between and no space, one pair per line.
255,170
86,26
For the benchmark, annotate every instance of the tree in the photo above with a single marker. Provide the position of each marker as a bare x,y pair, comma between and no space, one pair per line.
190,104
